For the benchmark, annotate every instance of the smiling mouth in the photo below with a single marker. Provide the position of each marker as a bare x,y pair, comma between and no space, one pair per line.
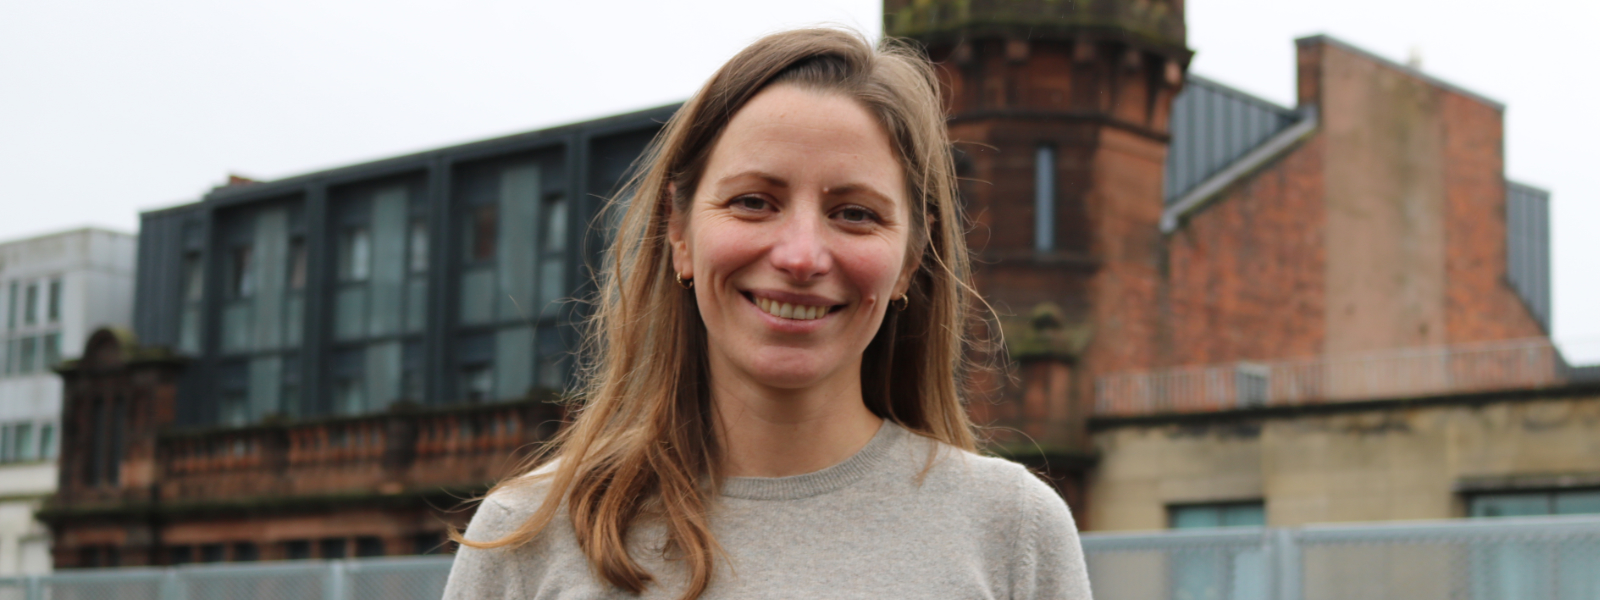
785,310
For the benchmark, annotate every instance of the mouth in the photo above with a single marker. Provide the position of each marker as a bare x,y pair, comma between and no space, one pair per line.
791,310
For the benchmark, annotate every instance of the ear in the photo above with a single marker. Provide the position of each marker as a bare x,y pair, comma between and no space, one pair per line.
902,285
677,236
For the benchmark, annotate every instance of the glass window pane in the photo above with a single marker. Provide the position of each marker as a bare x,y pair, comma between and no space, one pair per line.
269,276
193,276
22,441
55,300
383,375
30,310
1578,503
52,349
349,385
236,327
26,358
266,378
1187,517
243,282
518,247
349,312
418,248
1244,515
552,285
513,357
47,441
480,233
189,331
412,364
293,320
355,254
1510,505
297,264
416,304
477,295
390,220
555,225
11,305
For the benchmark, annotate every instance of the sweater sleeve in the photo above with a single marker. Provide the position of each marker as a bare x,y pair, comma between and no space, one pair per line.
1049,561
482,574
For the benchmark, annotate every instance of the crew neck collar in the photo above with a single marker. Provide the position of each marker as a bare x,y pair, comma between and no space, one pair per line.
816,483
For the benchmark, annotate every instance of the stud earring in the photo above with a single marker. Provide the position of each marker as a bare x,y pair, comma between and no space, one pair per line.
684,284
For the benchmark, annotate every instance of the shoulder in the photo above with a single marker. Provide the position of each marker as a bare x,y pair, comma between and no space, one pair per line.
509,505
992,482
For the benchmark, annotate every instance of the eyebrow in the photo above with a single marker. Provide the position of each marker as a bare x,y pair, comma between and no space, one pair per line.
779,182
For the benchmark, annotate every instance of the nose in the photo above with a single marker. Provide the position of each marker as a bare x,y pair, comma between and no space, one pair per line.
800,249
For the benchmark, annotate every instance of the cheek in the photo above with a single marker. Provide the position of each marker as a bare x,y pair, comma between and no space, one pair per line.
873,267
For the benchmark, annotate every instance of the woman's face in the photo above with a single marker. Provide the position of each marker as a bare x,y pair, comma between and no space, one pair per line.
796,239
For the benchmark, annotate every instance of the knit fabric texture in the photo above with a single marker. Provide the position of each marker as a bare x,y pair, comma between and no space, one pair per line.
873,526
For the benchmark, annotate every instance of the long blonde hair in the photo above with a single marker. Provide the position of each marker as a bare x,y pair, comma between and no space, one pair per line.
642,444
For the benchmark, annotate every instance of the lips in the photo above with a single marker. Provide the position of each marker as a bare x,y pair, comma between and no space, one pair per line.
787,310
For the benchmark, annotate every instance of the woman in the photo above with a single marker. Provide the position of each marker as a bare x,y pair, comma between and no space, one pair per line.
772,406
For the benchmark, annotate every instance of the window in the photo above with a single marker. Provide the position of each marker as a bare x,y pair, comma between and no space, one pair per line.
1240,514
51,349
1222,572
47,441
193,292
30,307
243,277
332,548
381,299
514,220
1533,568
246,552
428,542
355,254
1252,384
26,356
418,250
297,549
211,553
11,305
367,546
22,442
53,310
297,264
1531,504
1044,199
180,555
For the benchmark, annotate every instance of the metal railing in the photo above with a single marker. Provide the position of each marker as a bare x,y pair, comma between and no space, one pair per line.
1545,558
1410,372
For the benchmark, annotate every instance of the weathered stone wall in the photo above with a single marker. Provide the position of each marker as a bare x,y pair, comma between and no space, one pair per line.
1383,461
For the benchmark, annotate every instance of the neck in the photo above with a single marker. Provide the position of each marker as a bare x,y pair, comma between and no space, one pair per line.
768,432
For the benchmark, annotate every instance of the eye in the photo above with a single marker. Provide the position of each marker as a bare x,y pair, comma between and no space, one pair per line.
856,214
750,203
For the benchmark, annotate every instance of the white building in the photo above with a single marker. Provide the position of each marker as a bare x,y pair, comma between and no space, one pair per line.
54,291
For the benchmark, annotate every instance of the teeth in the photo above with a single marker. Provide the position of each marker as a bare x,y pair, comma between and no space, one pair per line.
799,312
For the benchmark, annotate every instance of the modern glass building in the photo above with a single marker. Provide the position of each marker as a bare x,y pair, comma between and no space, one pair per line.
436,278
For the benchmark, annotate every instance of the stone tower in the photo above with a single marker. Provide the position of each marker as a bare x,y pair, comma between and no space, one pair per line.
1060,111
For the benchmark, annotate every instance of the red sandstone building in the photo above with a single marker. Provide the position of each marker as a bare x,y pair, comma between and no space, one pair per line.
1130,221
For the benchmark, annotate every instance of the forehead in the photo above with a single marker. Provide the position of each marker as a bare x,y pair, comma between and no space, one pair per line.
808,138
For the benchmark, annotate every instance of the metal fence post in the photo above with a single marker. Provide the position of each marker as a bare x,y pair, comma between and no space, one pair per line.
1286,559
171,588
33,587
335,588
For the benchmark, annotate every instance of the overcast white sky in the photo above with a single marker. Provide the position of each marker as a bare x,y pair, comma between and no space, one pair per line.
109,107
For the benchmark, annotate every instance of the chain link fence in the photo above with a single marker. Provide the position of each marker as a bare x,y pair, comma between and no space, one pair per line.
1545,558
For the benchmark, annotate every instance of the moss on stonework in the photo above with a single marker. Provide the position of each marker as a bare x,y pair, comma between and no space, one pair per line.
1154,22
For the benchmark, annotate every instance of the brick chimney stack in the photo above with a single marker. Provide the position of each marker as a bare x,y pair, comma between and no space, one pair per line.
1060,111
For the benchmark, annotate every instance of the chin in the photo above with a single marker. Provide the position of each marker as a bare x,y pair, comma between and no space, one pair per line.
785,370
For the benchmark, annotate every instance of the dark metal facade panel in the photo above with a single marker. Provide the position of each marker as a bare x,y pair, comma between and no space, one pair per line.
1214,125
158,287
593,158
1528,247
